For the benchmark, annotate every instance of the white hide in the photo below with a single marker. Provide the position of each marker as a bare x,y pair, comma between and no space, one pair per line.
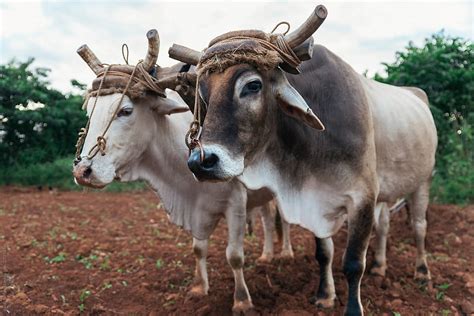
159,145
316,206
405,139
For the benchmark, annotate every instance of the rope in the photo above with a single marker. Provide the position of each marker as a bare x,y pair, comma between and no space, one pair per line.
282,23
194,133
277,43
83,132
125,53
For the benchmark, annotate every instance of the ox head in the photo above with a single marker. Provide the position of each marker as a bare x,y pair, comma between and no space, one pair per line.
242,88
122,107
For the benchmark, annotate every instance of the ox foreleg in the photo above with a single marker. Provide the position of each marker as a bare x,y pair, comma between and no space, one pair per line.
201,283
268,228
235,257
379,266
360,226
326,294
286,249
418,206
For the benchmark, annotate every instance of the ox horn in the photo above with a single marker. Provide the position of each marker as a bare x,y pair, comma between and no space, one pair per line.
306,30
90,58
153,49
184,54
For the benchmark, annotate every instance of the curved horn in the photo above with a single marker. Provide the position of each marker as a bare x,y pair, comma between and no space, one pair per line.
312,23
184,54
90,58
153,49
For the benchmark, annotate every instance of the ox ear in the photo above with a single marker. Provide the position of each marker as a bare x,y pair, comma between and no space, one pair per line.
168,106
293,104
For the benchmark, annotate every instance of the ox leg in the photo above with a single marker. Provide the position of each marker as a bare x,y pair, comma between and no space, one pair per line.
235,257
201,283
286,249
267,220
379,266
326,294
360,226
418,206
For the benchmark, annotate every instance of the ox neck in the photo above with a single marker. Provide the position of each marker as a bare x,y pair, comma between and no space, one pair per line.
165,159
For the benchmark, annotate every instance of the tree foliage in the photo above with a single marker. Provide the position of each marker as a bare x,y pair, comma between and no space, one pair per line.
37,123
443,68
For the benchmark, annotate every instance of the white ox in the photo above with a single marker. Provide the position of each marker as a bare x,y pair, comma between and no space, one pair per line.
145,142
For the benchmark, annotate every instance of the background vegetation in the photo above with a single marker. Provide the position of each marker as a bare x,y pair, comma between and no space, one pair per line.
39,125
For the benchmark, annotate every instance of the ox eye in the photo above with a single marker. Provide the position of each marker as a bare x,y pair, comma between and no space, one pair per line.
251,88
125,112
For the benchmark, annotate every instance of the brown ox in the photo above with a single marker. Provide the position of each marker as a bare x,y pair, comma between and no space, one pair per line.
265,128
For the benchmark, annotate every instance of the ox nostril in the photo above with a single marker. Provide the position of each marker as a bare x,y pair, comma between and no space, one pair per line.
87,172
209,161
77,160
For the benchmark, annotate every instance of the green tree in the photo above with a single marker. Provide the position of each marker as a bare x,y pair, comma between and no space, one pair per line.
443,68
37,123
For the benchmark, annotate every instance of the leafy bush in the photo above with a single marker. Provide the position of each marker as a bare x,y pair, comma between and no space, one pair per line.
37,123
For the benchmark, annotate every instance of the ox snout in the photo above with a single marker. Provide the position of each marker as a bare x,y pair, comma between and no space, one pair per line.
82,173
205,169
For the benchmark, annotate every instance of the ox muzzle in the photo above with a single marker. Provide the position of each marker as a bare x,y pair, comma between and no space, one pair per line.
205,168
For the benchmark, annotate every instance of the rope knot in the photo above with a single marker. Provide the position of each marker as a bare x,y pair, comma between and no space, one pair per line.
101,144
192,138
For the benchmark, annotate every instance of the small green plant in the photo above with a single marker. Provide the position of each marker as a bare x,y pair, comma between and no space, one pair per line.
107,286
61,257
442,291
396,314
159,264
88,261
85,294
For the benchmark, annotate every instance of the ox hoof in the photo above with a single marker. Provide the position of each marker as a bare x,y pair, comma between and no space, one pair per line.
287,254
379,270
242,307
265,258
198,291
422,274
325,303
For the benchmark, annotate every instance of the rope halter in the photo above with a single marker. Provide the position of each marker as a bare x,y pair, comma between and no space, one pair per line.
133,81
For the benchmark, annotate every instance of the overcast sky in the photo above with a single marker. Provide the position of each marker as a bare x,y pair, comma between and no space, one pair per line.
363,33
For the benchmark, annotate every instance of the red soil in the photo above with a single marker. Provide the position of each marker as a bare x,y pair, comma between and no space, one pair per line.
116,253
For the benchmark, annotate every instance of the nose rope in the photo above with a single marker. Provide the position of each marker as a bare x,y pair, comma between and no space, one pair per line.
83,132
192,138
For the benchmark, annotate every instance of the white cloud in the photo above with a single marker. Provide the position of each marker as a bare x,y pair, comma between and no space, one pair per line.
362,33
